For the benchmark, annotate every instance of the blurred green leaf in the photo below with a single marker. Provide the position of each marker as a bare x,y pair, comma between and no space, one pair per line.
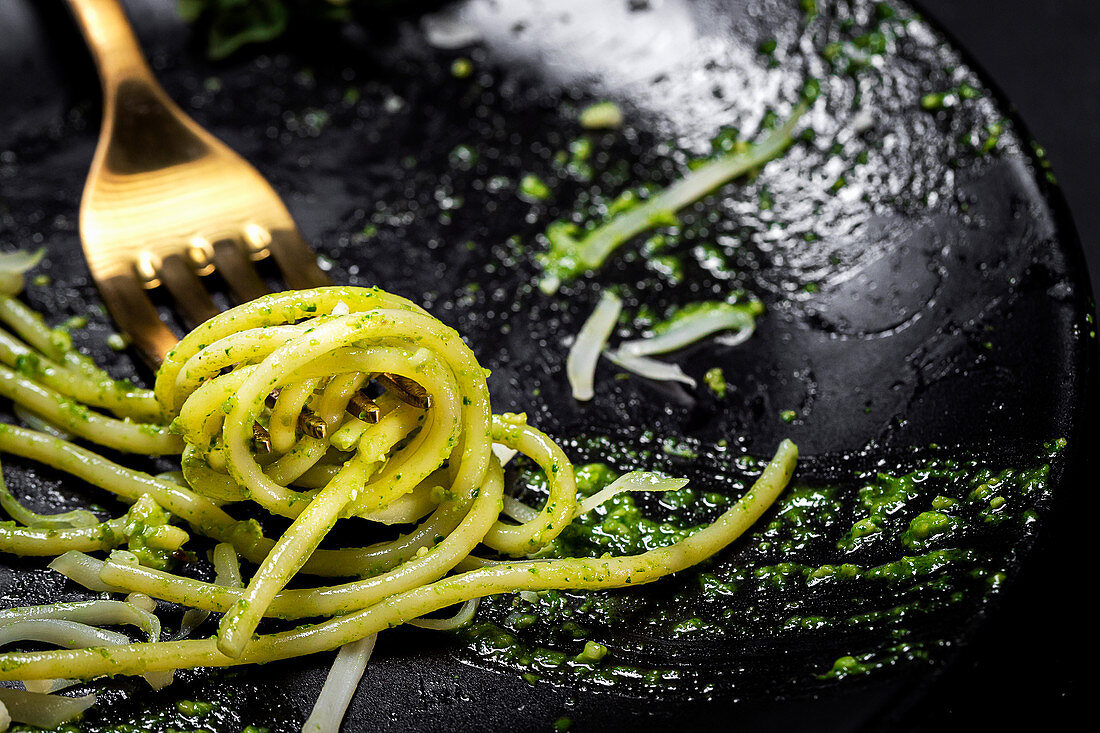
240,22
230,25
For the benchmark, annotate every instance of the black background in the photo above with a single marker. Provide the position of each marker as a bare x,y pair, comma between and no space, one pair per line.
1045,56
1029,666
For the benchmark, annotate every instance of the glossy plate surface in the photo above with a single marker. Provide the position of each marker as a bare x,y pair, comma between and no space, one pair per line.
922,282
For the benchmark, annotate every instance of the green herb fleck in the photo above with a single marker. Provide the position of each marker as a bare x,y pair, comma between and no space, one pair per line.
716,380
462,67
601,116
532,188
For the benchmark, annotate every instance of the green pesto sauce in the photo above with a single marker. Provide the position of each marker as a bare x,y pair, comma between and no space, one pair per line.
143,520
601,116
863,664
715,380
532,188
462,68
887,554
576,162
618,525
161,716
934,101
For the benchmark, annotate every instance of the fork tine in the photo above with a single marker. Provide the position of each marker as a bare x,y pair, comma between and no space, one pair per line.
136,233
235,266
296,260
187,290
136,315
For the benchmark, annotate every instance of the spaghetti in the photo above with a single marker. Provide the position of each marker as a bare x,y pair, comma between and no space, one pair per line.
230,401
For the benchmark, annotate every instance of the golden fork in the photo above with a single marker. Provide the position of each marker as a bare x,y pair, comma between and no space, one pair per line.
166,203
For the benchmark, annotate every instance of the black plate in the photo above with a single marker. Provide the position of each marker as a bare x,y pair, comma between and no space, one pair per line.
939,296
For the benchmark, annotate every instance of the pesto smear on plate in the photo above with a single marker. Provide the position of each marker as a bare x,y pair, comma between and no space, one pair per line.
867,567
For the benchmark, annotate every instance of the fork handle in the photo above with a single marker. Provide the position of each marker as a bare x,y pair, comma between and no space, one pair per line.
111,41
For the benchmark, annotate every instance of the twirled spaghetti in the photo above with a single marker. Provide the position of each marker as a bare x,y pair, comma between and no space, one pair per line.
231,400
